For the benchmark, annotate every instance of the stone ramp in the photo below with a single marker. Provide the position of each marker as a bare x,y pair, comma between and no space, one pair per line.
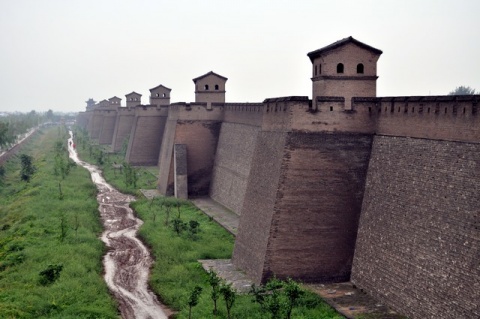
222,215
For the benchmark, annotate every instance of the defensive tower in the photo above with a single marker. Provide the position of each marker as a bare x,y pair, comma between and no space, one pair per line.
346,68
133,99
209,88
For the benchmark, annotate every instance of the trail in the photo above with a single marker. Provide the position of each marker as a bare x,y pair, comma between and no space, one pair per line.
127,261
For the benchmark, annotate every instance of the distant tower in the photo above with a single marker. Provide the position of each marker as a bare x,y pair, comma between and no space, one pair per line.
209,88
133,99
346,68
115,101
160,95
90,103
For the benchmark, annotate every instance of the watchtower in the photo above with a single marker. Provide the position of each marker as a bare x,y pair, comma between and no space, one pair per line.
133,99
90,104
115,101
160,95
346,68
209,88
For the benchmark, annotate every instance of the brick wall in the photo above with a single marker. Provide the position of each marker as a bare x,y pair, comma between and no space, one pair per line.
233,162
145,140
318,205
200,138
254,228
123,128
96,124
418,242
108,127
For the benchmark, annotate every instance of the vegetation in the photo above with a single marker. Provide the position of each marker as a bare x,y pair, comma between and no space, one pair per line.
50,253
462,90
14,125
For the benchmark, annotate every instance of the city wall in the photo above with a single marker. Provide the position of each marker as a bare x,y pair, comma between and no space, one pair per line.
382,193
196,126
146,135
123,128
418,241
108,126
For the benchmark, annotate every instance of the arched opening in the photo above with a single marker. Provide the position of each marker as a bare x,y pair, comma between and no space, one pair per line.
206,87
157,95
340,68
164,95
216,87
360,68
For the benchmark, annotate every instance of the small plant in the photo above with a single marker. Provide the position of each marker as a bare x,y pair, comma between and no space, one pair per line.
50,274
193,299
2,173
229,294
130,175
60,193
278,297
27,169
193,229
63,228
179,225
214,282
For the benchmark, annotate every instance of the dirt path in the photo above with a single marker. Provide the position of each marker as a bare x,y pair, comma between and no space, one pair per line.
127,261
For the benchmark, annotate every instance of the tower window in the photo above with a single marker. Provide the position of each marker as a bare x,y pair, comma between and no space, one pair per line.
158,95
340,68
319,69
164,95
206,87
360,68
216,87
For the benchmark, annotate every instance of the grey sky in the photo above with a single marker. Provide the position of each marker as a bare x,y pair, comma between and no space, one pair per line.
55,54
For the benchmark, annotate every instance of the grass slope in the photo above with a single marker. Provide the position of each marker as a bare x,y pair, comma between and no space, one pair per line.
38,229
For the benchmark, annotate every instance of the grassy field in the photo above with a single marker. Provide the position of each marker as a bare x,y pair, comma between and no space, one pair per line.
176,248
50,253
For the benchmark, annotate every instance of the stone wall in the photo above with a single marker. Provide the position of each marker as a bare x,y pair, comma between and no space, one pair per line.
145,140
318,206
418,243
260,196
108,127
233,162
200,138
123,128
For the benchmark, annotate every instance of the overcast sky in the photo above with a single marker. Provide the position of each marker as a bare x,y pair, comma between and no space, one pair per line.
55,54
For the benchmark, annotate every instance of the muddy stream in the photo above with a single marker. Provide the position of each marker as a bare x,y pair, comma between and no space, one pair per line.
127,262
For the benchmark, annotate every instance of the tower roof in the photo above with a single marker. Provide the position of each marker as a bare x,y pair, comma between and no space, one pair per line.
160,86
207,74
133,93
315,54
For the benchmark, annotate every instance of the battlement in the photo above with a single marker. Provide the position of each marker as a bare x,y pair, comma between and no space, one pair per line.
452,118
201,111
244,113
151,110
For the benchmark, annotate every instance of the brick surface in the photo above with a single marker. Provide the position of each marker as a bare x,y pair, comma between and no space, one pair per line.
418,245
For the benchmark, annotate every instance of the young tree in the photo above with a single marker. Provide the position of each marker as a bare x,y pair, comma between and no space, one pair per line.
214,282
193,299
293,292
27,169
229,295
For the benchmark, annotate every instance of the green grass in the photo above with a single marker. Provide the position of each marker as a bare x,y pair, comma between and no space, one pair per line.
31,238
